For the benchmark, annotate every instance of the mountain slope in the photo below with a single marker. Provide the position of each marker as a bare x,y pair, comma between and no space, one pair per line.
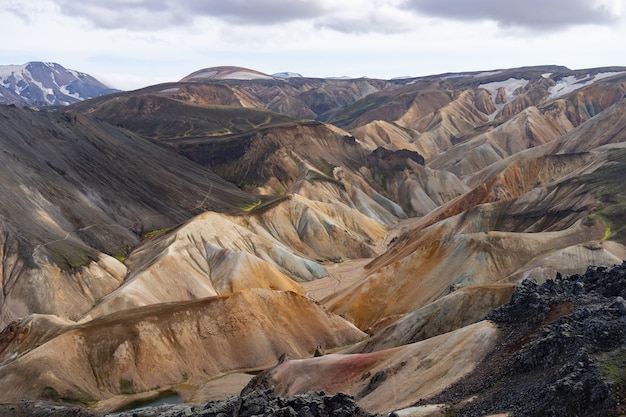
387,379
47,84
295,97
562,355
509,174
80,189
538,204
161,346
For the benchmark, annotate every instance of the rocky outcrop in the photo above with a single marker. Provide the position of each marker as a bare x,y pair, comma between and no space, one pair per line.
44,409
266,403
563,352
259,403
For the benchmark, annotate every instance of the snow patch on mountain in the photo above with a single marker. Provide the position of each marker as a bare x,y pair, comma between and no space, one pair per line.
245,75
287,75
47,83
170,90
67,92
509,86
204,74
571,83
487,74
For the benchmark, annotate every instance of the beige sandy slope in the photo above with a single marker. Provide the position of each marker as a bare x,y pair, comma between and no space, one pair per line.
422,189
158,347
216,254
385,134
522,214
422,270
460,308
323,223
527,129
207,256
443,127
393,378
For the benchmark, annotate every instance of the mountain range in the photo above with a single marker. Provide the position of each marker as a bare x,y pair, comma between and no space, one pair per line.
395,240
47,84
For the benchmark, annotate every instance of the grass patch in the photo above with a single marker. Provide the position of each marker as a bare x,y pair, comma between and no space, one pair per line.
50,394
263,204
248,208
156,232
326,167
121,254
72,397
610,189
614,215
613,366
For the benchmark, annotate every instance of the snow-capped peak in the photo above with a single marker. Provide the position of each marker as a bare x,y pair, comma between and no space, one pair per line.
46,83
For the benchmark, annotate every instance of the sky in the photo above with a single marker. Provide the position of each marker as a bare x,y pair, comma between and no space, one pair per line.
128,44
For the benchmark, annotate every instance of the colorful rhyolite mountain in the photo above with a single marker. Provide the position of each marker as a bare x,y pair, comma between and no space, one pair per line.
182,237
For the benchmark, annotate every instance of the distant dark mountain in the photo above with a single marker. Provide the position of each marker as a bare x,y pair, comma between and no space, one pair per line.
287,94
47,84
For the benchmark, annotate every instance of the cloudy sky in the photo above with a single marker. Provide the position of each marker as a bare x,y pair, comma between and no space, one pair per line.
133,43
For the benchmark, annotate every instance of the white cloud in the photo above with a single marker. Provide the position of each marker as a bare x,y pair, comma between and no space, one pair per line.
134,43
534,14
155,14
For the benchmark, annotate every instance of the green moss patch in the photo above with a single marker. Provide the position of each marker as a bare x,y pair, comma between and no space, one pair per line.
607,183
156,232
613,367
263,204
248,208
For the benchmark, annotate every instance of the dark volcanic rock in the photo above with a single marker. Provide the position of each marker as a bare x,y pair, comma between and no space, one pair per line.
44,409
393,160
262,403
385,163
562,354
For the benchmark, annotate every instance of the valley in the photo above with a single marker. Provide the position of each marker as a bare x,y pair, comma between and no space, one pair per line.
235,232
